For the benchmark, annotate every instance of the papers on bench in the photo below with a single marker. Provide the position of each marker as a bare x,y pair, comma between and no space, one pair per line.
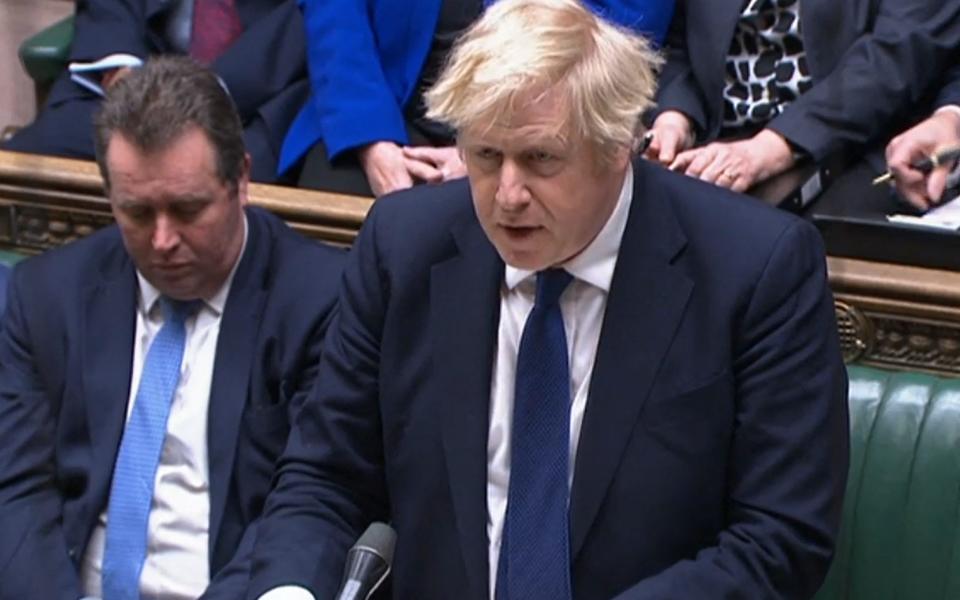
87,74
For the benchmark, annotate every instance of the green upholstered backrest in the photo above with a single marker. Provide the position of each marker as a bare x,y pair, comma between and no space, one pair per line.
900,537
45,55
10,258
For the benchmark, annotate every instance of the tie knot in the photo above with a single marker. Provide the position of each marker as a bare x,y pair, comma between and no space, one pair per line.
179,310
550,285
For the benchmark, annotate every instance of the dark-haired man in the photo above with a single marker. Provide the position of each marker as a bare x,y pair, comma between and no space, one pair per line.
147,373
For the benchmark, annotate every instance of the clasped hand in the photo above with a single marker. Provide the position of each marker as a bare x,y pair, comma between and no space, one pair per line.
737,165
390,167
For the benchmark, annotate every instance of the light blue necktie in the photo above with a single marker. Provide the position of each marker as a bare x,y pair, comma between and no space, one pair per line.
535,552
131,493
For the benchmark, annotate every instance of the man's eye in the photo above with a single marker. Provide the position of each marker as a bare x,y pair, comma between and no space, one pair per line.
188,210
487,154
137,213
542,156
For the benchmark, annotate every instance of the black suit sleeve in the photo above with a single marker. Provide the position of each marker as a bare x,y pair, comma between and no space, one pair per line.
789,451
950,94
679,89
881,77
34,560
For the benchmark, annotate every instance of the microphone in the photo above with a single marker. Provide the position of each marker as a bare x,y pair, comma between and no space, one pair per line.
368,562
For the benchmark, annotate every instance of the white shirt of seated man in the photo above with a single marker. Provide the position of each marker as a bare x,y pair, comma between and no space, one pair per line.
176,566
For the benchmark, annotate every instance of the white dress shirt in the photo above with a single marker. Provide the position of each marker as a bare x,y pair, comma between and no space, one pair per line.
582,304
177,560
954,177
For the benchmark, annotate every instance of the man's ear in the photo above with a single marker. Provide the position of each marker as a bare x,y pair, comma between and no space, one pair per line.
244,180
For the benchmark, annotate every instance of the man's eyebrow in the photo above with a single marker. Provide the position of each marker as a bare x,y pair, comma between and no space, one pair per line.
192,199
126,202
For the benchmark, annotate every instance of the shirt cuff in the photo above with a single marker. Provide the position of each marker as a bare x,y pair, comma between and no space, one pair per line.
287,592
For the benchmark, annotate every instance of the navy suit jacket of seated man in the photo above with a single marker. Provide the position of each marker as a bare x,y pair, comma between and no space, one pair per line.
78,344
673,426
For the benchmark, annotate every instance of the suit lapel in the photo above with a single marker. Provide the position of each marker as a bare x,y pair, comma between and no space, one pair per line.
645,305
464,311
107,363
236,345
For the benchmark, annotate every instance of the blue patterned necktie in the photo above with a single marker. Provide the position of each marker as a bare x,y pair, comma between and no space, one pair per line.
131,493
535,555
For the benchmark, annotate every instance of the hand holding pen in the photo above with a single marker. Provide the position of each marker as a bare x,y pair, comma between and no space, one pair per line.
920,159
927,164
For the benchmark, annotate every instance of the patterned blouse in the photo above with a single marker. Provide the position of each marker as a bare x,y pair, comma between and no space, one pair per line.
766,66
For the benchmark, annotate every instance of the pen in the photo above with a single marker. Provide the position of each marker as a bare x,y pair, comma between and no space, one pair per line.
645,142
925,165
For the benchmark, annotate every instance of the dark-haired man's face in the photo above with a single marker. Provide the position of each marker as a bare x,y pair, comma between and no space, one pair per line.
180,223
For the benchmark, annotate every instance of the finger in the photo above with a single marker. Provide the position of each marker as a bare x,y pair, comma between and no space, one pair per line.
668,147
912,187
701,161
683,160
936,183
423,171
422,154
653,150
718,171
453,169
741,183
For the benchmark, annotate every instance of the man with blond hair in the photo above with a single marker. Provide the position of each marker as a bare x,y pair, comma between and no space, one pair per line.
569,375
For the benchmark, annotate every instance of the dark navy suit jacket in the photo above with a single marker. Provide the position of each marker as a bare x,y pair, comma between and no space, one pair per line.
65,362
950,94
872,62
365,61
4,276
713,452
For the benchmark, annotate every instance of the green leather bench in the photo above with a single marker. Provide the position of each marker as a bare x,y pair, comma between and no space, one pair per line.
900,538
10,258
45,55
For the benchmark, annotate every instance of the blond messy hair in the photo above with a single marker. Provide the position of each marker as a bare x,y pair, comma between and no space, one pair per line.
605,74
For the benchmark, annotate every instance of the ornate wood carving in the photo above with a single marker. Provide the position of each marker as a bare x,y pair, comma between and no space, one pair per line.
47,201
898,316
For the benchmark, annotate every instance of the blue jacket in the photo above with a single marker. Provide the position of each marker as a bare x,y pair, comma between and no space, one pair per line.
365,58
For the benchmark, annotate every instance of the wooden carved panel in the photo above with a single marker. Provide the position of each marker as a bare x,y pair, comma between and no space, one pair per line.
47,201
888,315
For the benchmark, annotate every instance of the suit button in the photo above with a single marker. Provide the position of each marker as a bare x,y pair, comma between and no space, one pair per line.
72,552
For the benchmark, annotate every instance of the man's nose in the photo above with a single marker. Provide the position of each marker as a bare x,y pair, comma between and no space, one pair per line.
165,234
512,191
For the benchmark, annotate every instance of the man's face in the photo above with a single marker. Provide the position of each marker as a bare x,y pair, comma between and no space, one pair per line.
181,224
540,196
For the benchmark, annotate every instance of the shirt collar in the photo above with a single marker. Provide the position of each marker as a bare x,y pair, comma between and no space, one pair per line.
595,264
149,294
